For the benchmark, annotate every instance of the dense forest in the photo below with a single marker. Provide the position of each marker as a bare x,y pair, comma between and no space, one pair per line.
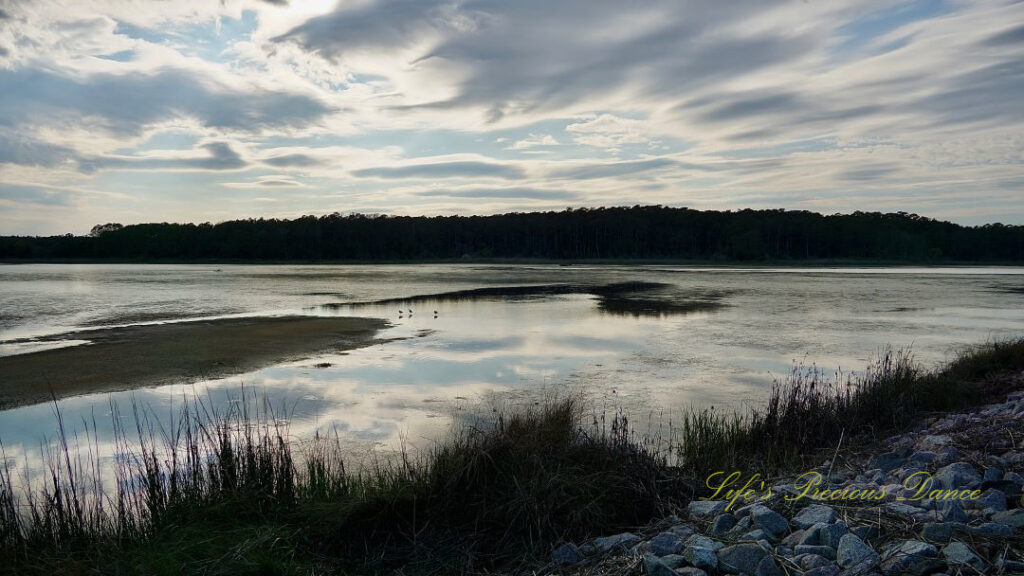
639,232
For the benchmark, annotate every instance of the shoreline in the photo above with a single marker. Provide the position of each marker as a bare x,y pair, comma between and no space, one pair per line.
148,355
828,262
943,497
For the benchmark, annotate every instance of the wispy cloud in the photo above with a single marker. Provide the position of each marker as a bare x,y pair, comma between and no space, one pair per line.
441,106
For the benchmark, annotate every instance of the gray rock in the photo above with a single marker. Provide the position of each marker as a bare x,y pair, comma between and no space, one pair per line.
700,551
814,514
819,550
673,561
684,531
566,555
741,558
992,474
755,535
722,524
768,567
666,543
855,556
812,561
770,521
887,461
825,534
993,529
943,531
923,457
952,511
990,500
691,571
706,508
957,475
743,525
793,539
1014,477
865,532
830,570
908,556
937,441
622,541
959,554
1012,518
653,566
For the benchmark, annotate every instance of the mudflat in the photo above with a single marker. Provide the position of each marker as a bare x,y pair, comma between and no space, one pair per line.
138,356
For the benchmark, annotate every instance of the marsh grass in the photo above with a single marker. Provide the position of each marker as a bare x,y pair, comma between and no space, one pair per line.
231,493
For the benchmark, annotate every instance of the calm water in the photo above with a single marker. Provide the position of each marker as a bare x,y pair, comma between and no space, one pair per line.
478,351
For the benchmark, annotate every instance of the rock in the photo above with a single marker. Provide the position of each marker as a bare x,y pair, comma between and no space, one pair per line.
743,525
887,461
819,550
814,514
992,474
654,566
684,531
1014,477
1012,518
691,571
768,567
952,511
666,543
619,541
865,532
957,476
706,508
855,556
825,534
755,535
673,561
830,570
959,554
908,556
923,457
937,441
700,551
566,555
812,561
741,558
992,529
770,521
793,539
722,524
990,500
943,531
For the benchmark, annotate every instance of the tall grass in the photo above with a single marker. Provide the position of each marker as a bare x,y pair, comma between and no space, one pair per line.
811,410
230,493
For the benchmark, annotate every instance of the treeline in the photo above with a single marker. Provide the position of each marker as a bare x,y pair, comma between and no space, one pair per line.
648,232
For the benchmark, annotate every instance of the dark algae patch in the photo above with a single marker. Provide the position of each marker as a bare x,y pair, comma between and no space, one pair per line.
624,298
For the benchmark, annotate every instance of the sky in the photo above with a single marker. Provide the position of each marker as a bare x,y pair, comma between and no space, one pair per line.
179,111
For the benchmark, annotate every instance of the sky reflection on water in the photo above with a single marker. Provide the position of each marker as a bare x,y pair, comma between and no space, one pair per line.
479,351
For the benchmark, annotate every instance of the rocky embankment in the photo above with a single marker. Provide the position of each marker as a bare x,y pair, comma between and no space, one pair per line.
885,524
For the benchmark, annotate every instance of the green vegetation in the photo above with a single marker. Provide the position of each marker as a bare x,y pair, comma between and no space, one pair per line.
228,494
639,232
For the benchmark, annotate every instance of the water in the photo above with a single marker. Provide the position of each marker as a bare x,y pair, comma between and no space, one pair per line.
479,351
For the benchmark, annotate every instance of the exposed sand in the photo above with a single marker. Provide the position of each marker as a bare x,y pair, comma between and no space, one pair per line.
137,356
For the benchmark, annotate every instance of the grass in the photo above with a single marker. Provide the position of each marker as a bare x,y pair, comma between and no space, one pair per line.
228,493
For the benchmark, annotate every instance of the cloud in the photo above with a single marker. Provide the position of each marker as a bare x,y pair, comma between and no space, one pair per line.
460,169
531,193
534,141
613,169
292,160
219,156
35,195
128,103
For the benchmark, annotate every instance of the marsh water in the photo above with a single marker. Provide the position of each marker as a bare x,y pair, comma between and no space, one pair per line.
707,336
